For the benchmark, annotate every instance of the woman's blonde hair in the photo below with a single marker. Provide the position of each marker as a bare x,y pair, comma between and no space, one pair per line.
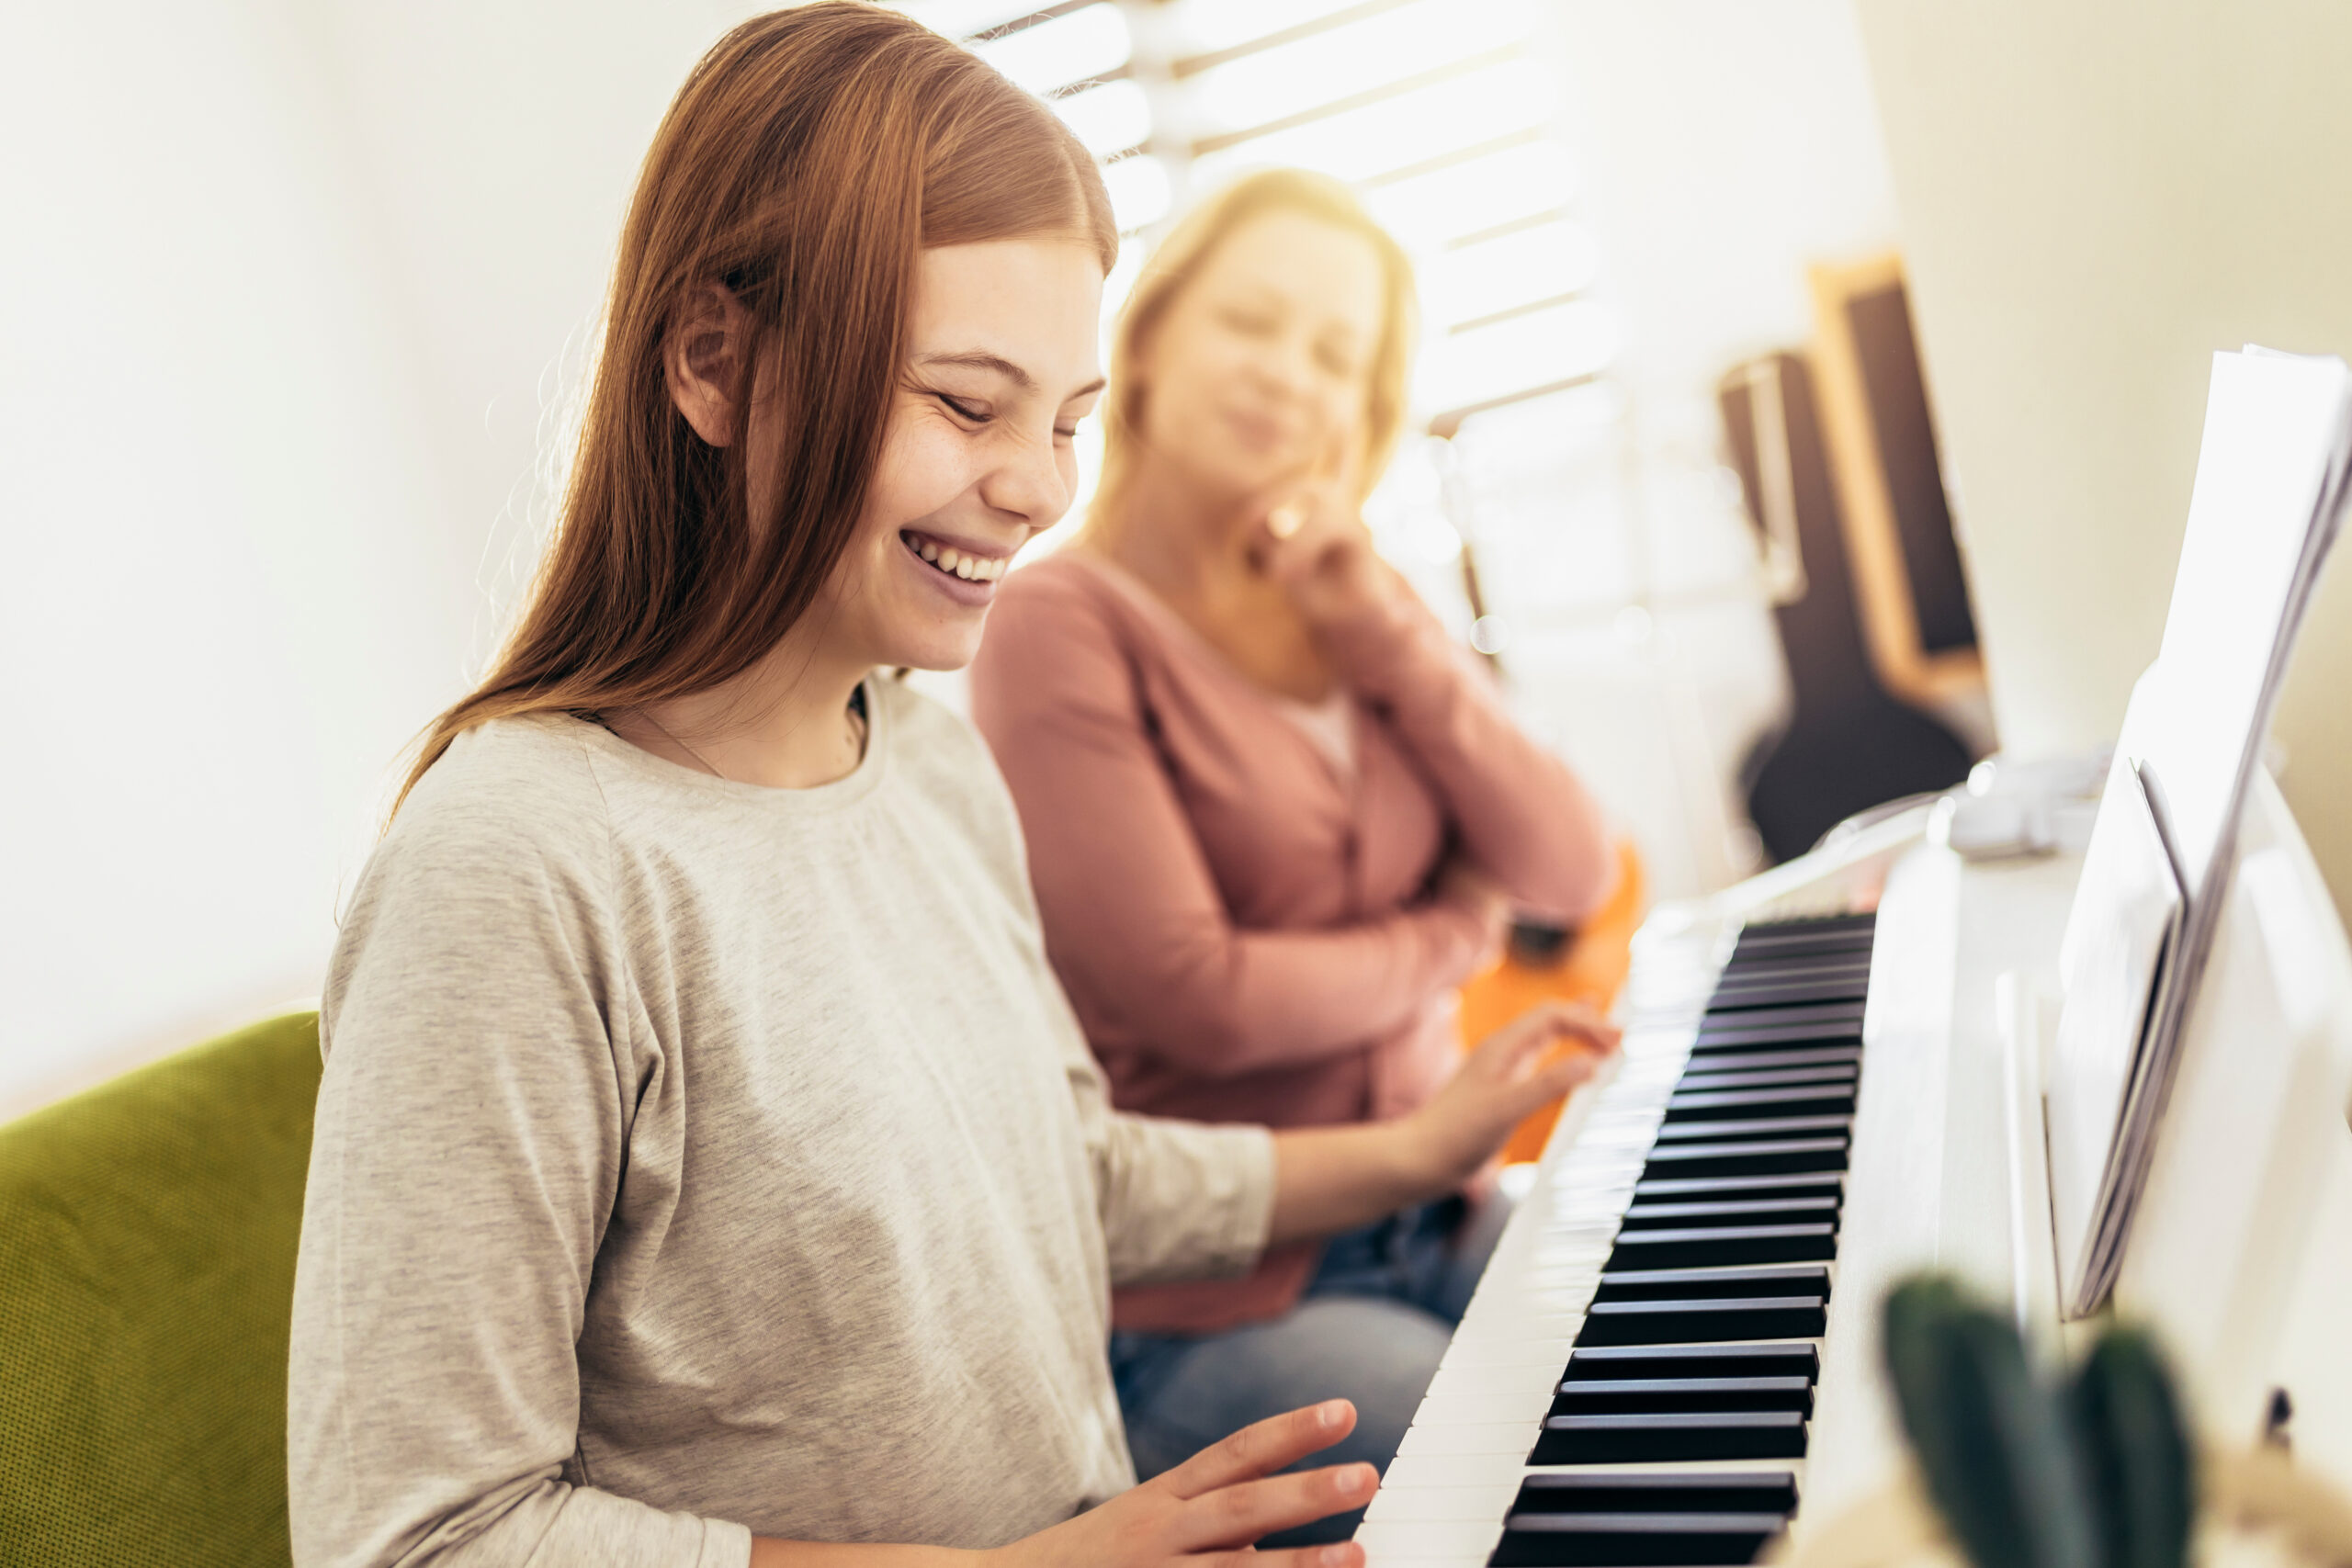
1179,260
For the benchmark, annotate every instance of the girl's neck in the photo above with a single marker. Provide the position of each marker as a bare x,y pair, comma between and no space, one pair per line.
786,723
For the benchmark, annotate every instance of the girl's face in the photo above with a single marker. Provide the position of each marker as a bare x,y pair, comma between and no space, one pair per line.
1002,364
1258,372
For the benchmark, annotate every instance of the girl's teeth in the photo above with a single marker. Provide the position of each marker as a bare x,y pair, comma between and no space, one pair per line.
970,567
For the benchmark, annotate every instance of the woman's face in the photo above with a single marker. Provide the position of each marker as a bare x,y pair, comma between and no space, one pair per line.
1258,370
1002,364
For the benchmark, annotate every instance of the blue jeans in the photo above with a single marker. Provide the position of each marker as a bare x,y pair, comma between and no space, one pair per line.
1379,1312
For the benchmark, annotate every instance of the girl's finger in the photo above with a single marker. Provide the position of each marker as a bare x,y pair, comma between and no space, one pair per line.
1261,1449
1341,1554
1237,1515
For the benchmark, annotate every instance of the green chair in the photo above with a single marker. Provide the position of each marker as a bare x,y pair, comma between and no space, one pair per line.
147,1239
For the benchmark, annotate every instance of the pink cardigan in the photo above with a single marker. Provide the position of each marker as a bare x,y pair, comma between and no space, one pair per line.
1245,930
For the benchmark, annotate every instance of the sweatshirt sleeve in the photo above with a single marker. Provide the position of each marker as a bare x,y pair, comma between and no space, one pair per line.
472,1127
1519,812
1137,928
1178,1200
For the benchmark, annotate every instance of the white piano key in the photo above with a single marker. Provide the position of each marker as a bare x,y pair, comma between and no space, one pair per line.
1515,1439
1480,1503
1485,1502
1561,1305
1504,1322
1455,1540
1527,1404
1476,1351
1490,1379
1449,1470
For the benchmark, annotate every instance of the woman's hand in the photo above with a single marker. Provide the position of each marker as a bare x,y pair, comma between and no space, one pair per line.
1463,885
1214,1507
1311,541
1515,1071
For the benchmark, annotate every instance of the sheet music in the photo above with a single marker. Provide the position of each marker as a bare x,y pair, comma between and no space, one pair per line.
2272,481
2112,970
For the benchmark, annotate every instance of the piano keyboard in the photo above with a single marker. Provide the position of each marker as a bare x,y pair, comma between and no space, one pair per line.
1633,1380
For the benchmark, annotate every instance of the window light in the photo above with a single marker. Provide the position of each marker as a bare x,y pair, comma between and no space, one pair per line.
1082,45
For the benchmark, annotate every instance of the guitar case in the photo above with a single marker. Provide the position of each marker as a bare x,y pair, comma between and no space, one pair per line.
1848,744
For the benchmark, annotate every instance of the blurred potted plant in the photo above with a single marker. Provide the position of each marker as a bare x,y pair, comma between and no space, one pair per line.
2097,1469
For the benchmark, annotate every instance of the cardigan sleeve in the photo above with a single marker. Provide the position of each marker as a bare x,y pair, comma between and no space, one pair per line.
1133,917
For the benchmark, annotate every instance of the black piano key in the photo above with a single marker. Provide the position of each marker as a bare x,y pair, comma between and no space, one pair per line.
1734,1212
1694,1361
1825,967
1632,1540
1753,1104
1635,1396
1697,1322
1827,1032
1682,1436
1667,1492
1779,951
1761,998
1839,965
1709,1077
1777,1058
1815,928
1727,1187
1674,1133
1828,1013
1687,1284
1762,1157
1718,1246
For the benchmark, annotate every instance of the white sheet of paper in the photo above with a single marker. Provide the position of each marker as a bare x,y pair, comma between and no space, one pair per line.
2110,967
2266,509
2273,436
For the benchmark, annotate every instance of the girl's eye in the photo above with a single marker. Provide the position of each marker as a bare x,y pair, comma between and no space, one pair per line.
1066,432
961,409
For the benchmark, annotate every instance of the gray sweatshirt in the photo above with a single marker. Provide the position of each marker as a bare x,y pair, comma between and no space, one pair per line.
695,1159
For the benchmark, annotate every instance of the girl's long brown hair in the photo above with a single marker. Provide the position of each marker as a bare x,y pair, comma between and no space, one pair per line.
809,157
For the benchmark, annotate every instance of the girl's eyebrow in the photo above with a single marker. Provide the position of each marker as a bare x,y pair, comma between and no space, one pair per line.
979,359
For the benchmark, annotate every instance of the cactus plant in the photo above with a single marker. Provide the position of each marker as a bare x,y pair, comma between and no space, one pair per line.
2140,1468
1994,1445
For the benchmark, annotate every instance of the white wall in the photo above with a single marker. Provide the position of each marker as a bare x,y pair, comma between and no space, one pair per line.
281,291
228,594
2097,195
1728,146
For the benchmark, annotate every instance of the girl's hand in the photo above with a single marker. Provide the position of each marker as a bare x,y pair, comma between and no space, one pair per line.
1514,1072
1214,1507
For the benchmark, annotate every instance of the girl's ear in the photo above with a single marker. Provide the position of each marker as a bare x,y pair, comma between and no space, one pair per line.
703,360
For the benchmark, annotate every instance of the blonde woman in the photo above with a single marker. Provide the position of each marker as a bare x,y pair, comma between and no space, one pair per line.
1274,817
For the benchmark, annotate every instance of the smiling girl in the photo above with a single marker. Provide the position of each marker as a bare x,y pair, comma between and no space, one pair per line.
708,1167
